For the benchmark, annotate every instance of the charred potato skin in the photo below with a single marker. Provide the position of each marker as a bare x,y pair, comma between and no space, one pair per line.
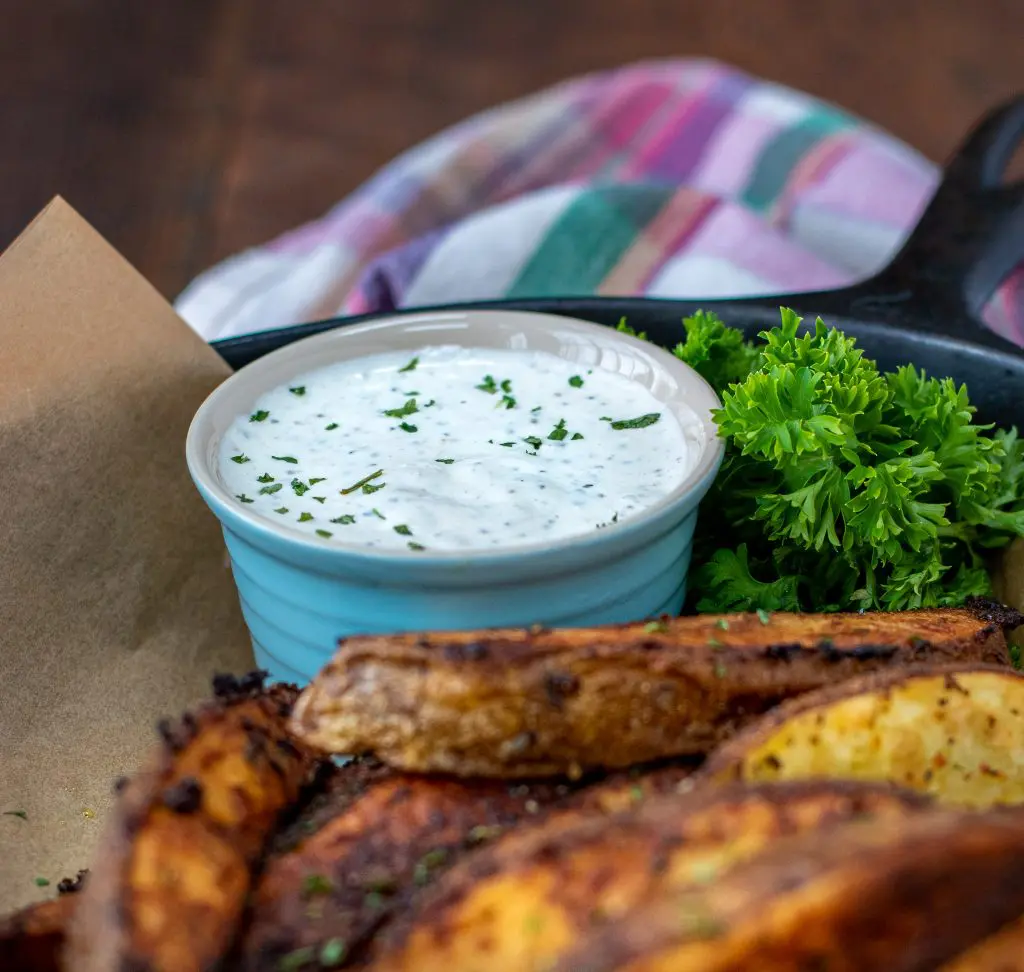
554,881
848,898
32,939
378,852
175,865
788,724
534,702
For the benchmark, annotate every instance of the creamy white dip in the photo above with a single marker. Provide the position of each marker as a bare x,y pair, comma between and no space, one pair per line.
454,449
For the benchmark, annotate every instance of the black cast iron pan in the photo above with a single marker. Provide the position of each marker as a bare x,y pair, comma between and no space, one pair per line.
924,308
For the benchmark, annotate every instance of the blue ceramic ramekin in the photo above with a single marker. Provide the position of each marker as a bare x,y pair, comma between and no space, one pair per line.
300,594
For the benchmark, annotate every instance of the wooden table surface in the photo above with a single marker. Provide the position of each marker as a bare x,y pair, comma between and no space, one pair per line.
187,130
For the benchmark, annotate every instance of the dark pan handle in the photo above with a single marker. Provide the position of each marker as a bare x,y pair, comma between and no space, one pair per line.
968,240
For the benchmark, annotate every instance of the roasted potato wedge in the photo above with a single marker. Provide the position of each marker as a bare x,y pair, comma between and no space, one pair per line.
525,901
322,900
955,732
1001,952
902,894
174,868
515,703
32,939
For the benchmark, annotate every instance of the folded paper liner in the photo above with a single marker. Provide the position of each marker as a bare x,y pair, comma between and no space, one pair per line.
116,602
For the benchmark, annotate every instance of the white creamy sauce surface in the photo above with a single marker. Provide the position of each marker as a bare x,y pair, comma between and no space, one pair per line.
454,449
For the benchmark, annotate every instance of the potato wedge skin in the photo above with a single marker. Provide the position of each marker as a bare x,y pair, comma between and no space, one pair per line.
954,732
1001,952
522,703
387,845
175,866
851,897
31,940
524,901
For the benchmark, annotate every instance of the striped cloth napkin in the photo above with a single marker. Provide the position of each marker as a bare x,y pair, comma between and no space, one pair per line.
680,178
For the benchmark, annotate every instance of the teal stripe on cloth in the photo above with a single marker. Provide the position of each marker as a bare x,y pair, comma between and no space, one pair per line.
783,152
588,240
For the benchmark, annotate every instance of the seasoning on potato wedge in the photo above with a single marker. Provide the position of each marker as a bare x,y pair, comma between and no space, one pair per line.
527,899
955,732
903,894
521,703
175,866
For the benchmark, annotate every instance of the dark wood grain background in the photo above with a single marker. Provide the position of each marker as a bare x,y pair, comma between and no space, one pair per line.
188,129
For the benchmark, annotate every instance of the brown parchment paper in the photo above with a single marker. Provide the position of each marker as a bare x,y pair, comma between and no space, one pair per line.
116,604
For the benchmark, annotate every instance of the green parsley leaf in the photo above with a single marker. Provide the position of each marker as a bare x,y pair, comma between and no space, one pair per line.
299,487
412,545
406,427
299,390
345,518
281,509
488,385
295,960
533,441
411,366
242,498
369,488
506,445
722,624
377,513
506,386
316,479
575,382
331,427
362,482
558,432
305,517
637,423
409,408
332,953
320,499
623,328
21,814
273,488
42,882
507,401
447,462
265,478
403,529
240,458
324,533
259,416
576,436
290,459
717,352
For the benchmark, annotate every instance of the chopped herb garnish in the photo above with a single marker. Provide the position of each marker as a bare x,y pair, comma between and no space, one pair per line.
409,394
428,862
260,416
535,409
294,961
720,670
576,381
316,884
345,518
374,900
377,513
403,529
406,427
281,509
533,441
430,404
714,644
640,422
42,882
265,478
305,517
506,386
290,459
488,385
272,488
324,533
763,616
576,436
240,458
332,952
362,482
299,390
655,627
317,479
320,499
20,814
408,408
605,418
508,401
369,489
412,545
447,462
299,487
506,445
331,427
636,793
411,366
722,623
558,432
242,498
